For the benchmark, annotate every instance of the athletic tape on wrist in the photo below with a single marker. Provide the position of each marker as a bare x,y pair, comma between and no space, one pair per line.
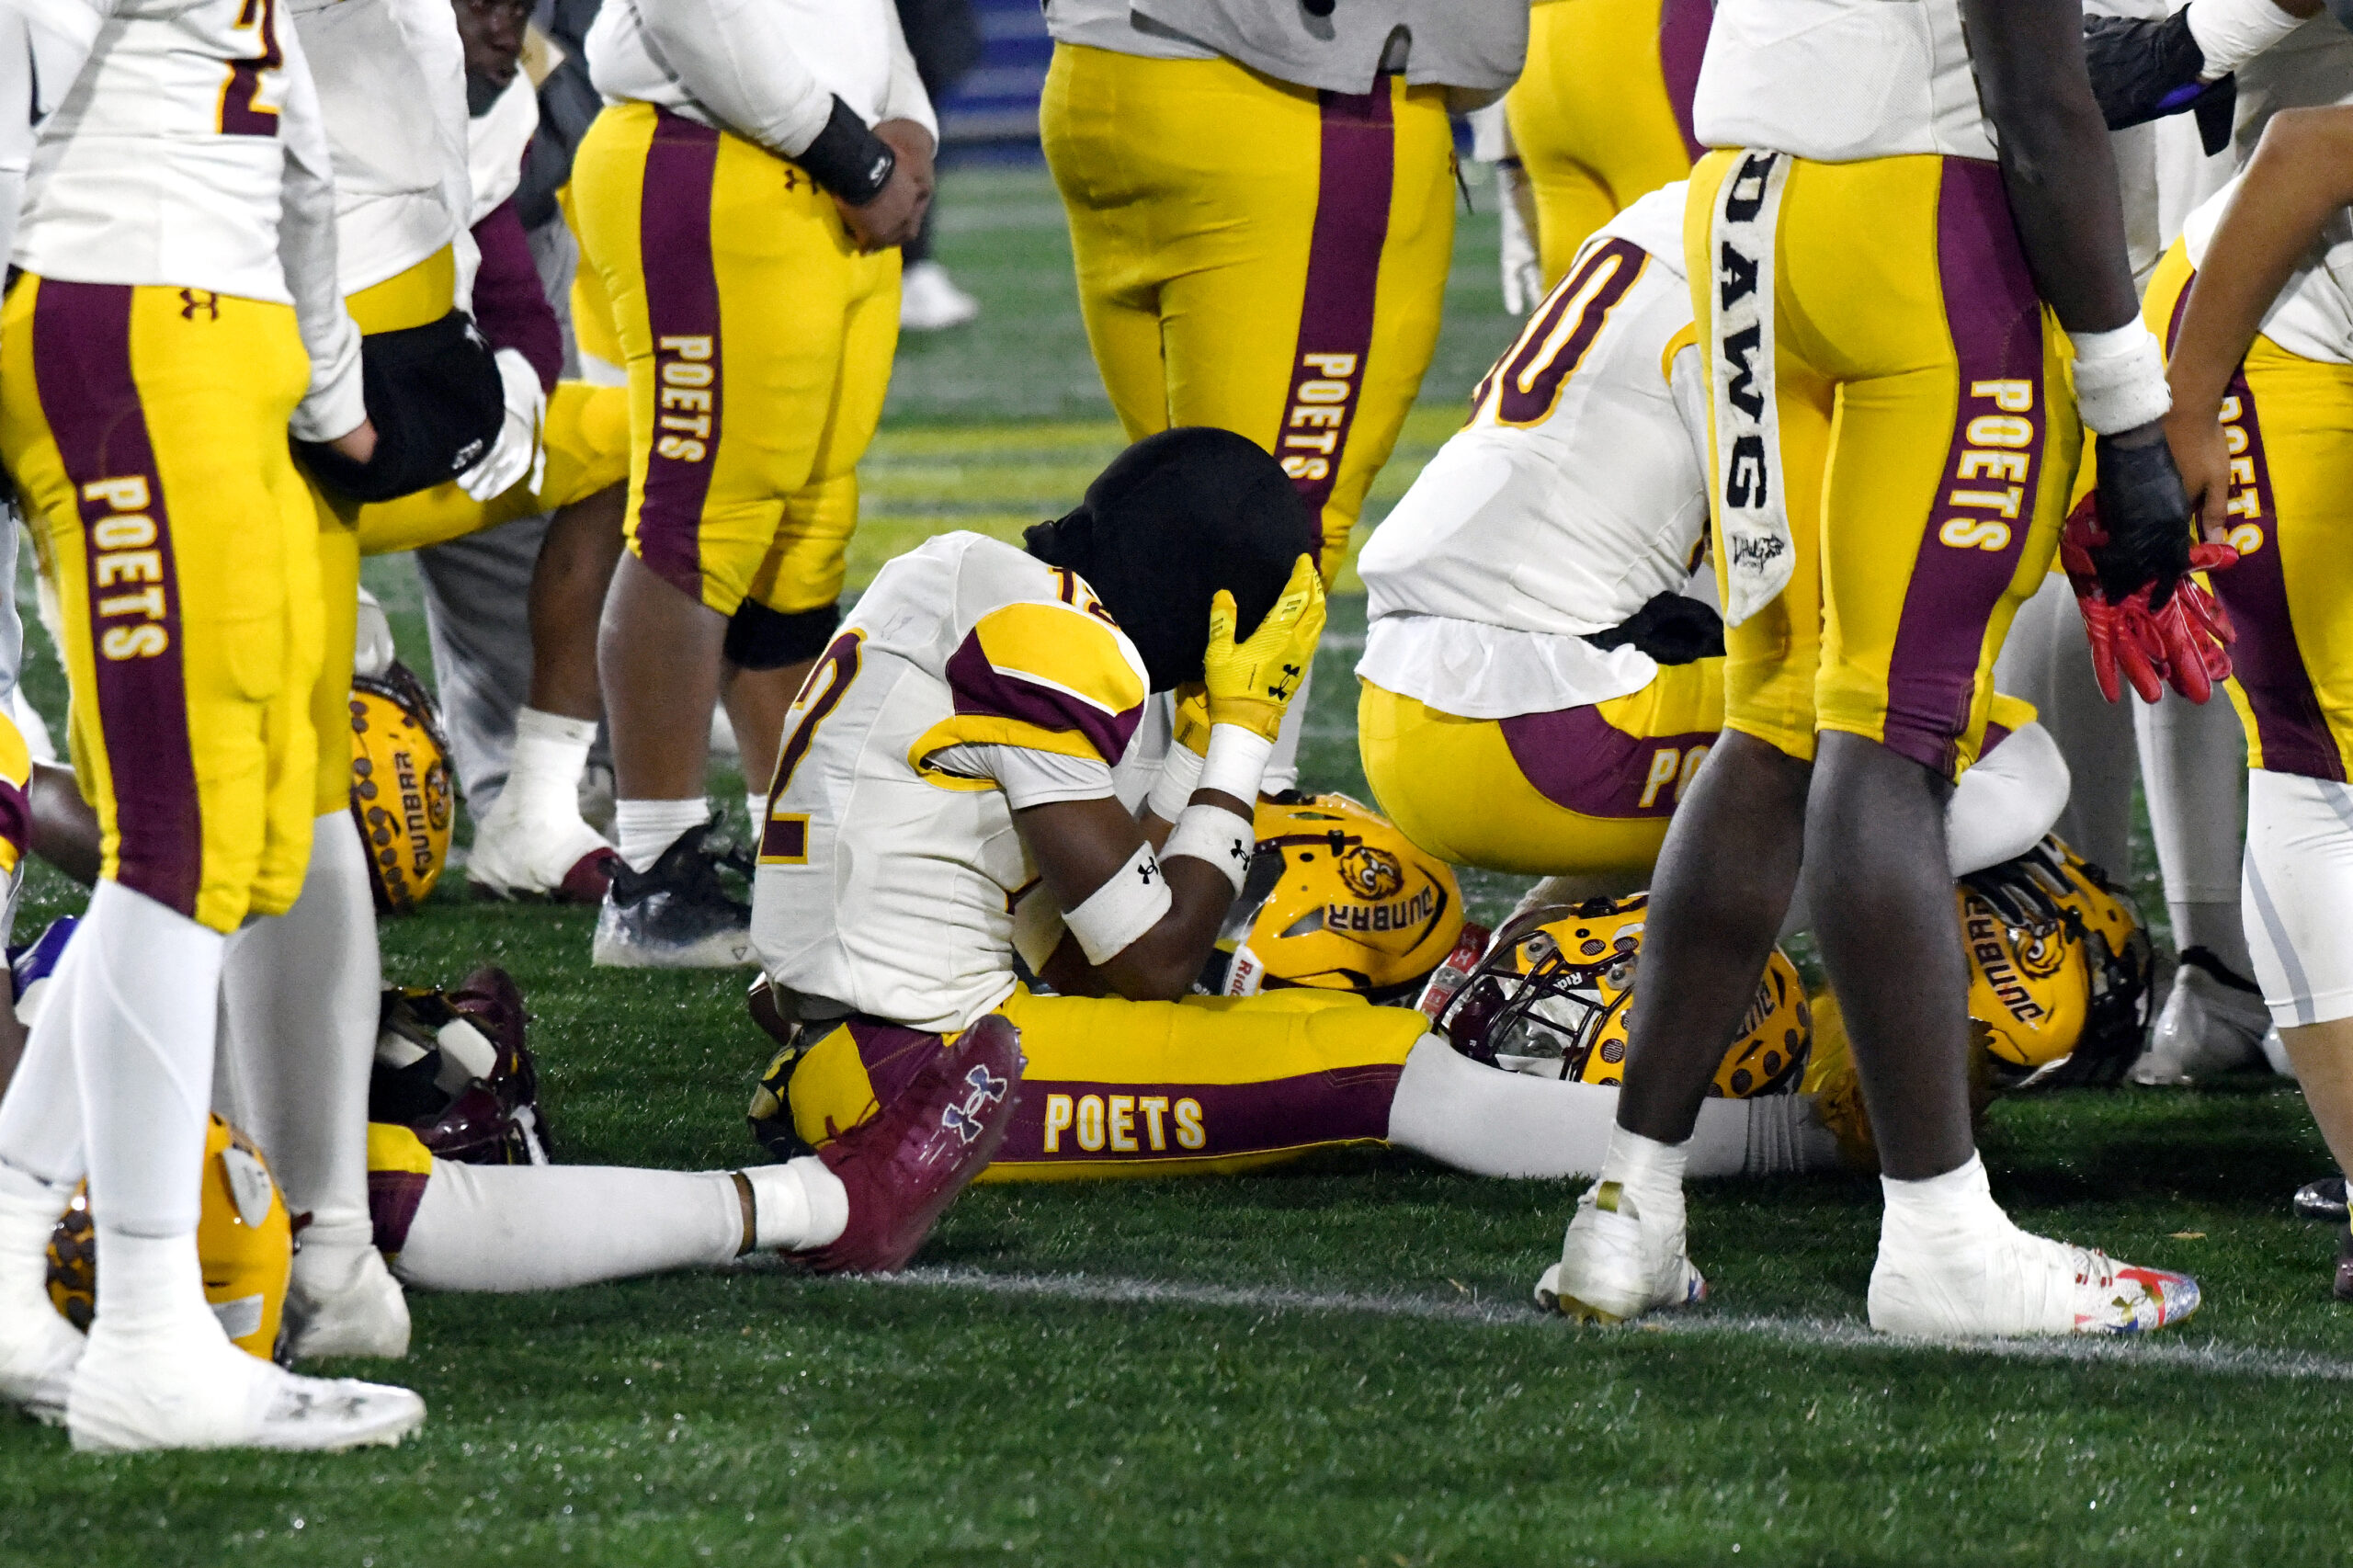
1237,762
2120,378
1134,900
1217,836
1180,775
2232,32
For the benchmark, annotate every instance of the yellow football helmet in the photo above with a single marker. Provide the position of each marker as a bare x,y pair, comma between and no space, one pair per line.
1336,899
244,1240
1552,993
2059,968
400,785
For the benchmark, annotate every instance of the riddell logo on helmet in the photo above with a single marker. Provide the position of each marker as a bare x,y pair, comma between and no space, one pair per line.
1993,956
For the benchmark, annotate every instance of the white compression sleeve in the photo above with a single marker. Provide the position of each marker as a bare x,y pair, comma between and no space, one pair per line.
2195,775
299,996
40,1115
2047,661
547,1227
1490,1123
2004,804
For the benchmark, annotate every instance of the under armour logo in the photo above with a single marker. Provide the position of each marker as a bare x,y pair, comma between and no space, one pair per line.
195,299
791,177
1147,871
987,1089
1281,688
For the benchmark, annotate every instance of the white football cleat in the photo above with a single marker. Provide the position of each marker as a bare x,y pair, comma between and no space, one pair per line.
519,854
346,1303
38,1350
2205,1029
187,1388
930,301
2008,1282
1614,1267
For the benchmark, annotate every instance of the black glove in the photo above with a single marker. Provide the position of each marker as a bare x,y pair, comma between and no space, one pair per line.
1673,628
2146,70
2144,511
435,396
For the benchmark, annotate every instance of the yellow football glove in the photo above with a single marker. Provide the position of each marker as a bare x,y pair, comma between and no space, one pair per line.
1190,722
1250,684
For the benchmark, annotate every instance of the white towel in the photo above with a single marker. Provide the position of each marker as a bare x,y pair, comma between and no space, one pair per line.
1758,551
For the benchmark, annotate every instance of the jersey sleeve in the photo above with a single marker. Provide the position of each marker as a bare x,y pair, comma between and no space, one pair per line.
306,248
736,57
1043,676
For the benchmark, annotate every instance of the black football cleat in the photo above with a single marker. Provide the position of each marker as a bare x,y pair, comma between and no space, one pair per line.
904,1165
677,914
2321,1199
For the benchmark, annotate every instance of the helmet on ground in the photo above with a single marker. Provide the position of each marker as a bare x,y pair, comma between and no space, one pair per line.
2059,968
1335,899
400,785
244,1241
1552,994
452,1067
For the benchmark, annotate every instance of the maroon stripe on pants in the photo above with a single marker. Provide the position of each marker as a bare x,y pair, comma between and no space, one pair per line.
1682,41
392,1197
1581,762
2289,726
1979,518
1196,1122
82,366
682,309
1356,169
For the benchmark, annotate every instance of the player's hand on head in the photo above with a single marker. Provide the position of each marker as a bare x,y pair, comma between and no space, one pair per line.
1250,682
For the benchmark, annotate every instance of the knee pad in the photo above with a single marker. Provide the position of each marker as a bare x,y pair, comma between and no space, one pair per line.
759,637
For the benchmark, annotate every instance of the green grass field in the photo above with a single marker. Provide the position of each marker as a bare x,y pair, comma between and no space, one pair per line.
1333,1364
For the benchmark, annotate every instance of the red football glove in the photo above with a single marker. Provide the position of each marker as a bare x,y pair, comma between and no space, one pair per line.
2184,644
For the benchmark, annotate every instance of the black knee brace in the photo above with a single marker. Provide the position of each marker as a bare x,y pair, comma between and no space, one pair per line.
759,637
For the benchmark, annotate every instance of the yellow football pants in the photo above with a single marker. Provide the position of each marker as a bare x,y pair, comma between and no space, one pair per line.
1585,791
1602,114
2288,421
1926,442
758,341
1119,1088
145,428
15,809
1257,256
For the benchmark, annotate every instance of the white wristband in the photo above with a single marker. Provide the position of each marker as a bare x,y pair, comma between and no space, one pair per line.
1129,903
1214,835
1180,775
2120,377
1238,760
2232,32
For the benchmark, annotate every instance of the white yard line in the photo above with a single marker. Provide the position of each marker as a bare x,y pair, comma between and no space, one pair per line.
2160,1350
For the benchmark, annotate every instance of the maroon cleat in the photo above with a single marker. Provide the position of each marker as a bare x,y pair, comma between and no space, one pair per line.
589,878
905,1166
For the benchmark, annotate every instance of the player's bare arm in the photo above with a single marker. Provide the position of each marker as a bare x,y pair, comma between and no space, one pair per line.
2300,176
1093,855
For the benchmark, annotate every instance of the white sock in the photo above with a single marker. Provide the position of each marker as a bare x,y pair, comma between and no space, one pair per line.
798,1204
29,1208
299,996
1936,1213
146,1002
551,754
550,1227
40,1115
648,827
150,1284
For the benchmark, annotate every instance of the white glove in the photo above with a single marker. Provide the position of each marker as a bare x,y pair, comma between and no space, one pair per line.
517,453
373,653
1523,268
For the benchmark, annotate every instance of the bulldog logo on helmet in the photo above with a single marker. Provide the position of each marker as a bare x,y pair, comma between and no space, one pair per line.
1371,873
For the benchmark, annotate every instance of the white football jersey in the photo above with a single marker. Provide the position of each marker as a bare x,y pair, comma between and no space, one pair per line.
886,883
392,87
1839,81
189,152
1575,493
